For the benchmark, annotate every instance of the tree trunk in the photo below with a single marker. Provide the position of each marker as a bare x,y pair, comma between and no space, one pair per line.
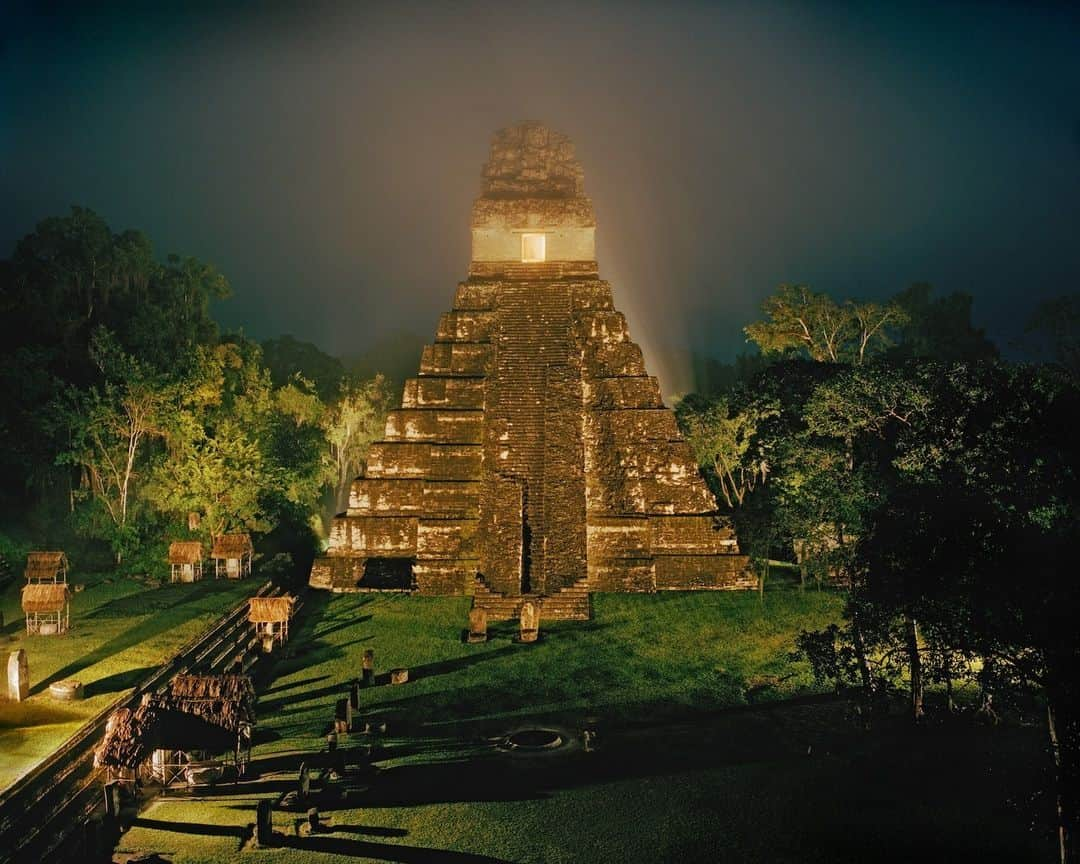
1063,723
865,675
911,638
950,704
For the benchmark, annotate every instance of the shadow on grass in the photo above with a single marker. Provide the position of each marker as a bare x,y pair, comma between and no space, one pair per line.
303,682
119,681
385,851
445,667
368,830
185,606
191,827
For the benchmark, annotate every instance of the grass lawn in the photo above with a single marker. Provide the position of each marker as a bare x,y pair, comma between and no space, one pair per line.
120,631
712,745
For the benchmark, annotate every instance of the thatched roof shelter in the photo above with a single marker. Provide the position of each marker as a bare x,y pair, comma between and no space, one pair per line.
129,737
270,610
46,567
223,700
198,712
232,546
45,597
185,552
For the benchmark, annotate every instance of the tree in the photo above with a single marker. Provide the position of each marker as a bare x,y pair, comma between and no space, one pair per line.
939,328
286,357
355,420
993,486
242,454
724,441
64,282
801,320
215,465
1053,332
108,427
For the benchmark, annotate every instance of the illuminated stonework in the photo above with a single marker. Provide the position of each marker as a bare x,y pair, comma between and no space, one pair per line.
532,455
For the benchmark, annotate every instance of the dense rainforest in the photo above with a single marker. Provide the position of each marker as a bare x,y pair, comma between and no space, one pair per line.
886,449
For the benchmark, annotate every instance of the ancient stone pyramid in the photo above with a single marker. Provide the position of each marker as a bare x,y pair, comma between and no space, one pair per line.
532,455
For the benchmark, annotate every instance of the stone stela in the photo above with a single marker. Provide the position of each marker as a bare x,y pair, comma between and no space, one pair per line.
532,456
530,622
477,625
18,676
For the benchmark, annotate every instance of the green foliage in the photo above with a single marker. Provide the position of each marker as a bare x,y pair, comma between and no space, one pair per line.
726,443
356,419
286,357
940,328
107,428
1053,332
803,321
69,280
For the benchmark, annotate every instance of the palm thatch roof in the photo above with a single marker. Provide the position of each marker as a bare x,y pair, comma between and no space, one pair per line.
270,610
185,552
222,700
45,566
48,597
232,546
198,712
129,737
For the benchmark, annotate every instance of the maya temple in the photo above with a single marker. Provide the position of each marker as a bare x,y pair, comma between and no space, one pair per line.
532,456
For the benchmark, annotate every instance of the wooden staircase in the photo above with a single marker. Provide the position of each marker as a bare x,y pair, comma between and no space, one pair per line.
571,603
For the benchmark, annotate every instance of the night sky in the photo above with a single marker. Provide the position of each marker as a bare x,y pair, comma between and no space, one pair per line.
326,160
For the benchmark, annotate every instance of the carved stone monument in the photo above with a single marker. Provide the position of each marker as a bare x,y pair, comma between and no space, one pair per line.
18,671
343,716
530,622
369,667
303,783
477,625
533,455
264,823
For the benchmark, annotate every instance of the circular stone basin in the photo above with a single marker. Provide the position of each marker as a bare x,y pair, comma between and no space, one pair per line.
534,739
66,691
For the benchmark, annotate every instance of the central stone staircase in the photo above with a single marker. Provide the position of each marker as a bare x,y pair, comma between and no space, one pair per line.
568,604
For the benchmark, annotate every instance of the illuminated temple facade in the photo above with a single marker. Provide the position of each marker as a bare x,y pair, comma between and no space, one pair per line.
532,455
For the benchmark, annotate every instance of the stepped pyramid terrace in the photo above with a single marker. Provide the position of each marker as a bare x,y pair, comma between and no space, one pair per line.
532,456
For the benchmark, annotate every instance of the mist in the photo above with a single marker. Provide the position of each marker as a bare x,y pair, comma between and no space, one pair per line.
325,158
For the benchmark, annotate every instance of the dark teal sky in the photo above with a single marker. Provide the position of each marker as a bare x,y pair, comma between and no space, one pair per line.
326,159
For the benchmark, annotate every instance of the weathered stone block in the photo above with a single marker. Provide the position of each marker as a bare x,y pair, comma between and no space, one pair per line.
373,536
634,575
698,572
398,459
690,534
443,392
439,577
472,296
433,424
18,676
619,537
529,625
370,496
455,358
452,499
606,326
455,462
446,538
610,359
594,294
465,325
642,391
478,625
